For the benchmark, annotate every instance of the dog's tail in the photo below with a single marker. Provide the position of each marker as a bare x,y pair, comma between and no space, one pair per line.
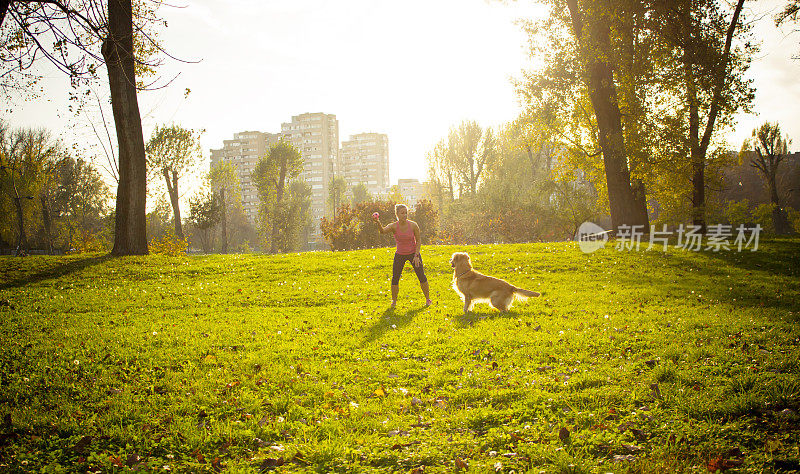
523,294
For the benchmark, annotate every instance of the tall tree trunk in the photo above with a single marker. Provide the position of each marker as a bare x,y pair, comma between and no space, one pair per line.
224,221
531,160
699,146
172,190
640,204
277,219
603,95
130,225
779,218
22,239
472,180
696,153
450,186
698,192
48,225
632,119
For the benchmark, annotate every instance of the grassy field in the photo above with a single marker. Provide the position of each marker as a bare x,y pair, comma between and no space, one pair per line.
630,361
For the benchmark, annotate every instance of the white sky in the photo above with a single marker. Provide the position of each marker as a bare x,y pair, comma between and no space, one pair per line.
409,69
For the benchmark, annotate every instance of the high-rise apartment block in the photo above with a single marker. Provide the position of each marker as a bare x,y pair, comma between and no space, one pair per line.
316,136
412,190
243,152
365,160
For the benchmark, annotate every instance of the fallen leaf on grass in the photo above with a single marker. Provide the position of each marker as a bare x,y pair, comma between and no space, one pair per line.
405,445
631,448
271,463
563,434
639,434
461,464
133,460
82,444
230,386
655,392
721,464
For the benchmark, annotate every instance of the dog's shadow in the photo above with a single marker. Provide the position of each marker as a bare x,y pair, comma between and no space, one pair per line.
472,317
391,319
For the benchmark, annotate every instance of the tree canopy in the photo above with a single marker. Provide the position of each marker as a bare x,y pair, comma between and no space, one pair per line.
173,152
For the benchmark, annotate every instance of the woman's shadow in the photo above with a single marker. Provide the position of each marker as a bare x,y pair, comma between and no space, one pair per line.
390,319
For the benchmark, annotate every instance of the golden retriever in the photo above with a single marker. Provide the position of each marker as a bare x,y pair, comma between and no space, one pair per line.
475,287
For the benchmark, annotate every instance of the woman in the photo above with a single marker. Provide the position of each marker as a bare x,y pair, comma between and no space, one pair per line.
406,235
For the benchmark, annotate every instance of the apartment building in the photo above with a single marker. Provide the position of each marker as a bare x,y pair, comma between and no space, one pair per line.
365,160
412,190
316,136
243,152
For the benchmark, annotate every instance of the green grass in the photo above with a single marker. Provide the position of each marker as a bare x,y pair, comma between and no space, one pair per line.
630,361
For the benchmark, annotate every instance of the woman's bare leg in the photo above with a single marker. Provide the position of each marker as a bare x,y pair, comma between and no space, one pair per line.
426,291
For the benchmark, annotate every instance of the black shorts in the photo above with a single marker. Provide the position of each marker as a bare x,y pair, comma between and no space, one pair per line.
400,262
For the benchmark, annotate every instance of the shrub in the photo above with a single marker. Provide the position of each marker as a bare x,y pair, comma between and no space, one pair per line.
169,244
87,241
738,212
794,217
425,215
762,215
353,227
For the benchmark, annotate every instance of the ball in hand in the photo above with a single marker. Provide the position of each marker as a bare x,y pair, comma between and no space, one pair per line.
375,215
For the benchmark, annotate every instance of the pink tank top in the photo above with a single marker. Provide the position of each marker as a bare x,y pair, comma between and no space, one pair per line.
406,242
